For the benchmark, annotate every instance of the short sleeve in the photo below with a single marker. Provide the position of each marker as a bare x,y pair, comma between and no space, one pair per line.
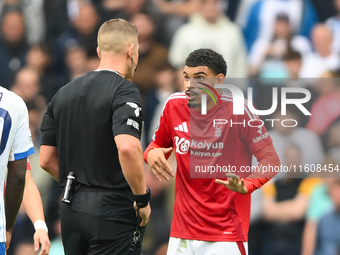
307,185
127,111
252,130
269,189
28,164
162,135
22,144
48,128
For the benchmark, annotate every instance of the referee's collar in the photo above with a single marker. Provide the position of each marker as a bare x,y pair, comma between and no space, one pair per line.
106,70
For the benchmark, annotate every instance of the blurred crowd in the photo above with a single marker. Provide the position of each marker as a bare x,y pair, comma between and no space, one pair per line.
44,44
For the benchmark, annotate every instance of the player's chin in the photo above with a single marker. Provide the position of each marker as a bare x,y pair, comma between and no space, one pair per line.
193,104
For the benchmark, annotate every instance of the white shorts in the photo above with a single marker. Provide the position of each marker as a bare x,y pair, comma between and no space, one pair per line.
178,246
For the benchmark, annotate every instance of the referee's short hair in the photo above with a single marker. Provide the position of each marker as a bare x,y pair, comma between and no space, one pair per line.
207,57
115,35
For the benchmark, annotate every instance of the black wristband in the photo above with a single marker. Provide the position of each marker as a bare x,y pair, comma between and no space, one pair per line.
143,200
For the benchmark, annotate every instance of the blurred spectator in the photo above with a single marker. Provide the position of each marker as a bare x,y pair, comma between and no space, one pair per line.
326,109
22,241
34,18
76,62
324,58
35,114
260,22
293,62
334,25
243,12
310,145
27,86
319,205
13,46
155,100
152,55
328,231
57,247
333,136
134,7
266,54
126,9
324,9
158,231
39,58
231,8
210,29
179,8
92,60
83,32
56,19
285,204
176,12
110,9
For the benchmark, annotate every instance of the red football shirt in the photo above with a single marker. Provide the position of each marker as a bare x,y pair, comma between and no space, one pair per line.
28,164
205,210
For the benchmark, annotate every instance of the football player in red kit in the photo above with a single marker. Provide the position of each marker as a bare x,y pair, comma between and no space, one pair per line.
211,216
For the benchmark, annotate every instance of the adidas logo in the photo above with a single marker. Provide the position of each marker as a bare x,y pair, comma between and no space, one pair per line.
182,127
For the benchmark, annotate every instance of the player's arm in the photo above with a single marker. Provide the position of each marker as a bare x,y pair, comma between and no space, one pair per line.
160,149
34,209
48,148
266,156
13,194
21,148
263,150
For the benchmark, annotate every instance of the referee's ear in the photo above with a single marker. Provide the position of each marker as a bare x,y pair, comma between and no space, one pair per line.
98,52
130,50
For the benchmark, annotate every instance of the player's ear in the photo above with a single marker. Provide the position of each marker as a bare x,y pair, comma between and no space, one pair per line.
220,78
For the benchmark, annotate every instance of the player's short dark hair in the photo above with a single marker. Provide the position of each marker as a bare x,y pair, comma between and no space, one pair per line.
207,57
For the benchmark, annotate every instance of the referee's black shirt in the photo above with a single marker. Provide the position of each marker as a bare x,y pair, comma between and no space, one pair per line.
82,120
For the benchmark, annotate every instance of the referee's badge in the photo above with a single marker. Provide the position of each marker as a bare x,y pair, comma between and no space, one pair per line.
135,106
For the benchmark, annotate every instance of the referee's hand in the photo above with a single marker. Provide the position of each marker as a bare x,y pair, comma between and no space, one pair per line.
144,213
158,163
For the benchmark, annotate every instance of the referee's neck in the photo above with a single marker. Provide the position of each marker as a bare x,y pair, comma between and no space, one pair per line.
114,62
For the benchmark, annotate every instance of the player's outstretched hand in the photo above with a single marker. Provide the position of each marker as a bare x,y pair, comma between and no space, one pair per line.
158,163
234,183
144,213
41,238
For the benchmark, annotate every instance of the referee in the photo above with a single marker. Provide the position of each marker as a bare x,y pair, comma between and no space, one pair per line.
91,133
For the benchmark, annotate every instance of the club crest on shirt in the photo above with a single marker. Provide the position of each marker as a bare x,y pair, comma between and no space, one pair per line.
182,145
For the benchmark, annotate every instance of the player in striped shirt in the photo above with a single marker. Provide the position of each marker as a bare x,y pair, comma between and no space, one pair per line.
210,216
15,147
